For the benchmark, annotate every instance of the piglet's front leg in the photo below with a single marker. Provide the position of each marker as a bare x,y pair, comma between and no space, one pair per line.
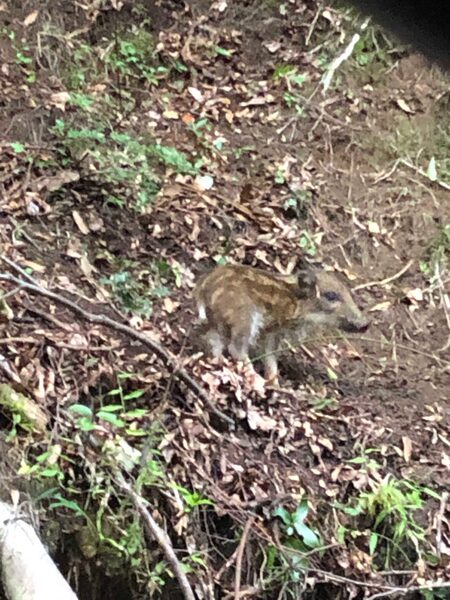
270,360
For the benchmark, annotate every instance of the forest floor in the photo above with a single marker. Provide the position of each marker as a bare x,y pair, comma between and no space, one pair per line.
141,144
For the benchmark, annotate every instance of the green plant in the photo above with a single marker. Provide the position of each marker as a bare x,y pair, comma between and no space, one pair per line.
219,51
136,295
294,524
117,415
131,293
133,55
175,159
23,56
200,126
46,465
388,512
81,67
435,594
192,499
80,100
309,242
116,158
371,47
289,76
18,147
288,565
238,152
437,255
298,204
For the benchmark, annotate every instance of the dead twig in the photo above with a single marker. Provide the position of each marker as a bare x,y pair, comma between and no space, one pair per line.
400,161
402,271
155,532
17,340
6,368
312,26
239,555
163,354
440,516
10,293
442,184
336,62
407,590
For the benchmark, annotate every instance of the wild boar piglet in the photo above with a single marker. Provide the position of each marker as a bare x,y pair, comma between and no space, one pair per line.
245,309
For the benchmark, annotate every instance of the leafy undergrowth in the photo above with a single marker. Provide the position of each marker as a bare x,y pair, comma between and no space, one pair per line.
142,143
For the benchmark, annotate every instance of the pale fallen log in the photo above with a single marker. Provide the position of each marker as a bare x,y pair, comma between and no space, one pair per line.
28,572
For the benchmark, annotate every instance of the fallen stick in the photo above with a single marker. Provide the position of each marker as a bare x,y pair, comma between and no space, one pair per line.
240,553
397,275
28,572
155,532
169,360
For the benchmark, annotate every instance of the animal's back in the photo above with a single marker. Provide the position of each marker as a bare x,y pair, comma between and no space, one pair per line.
234,290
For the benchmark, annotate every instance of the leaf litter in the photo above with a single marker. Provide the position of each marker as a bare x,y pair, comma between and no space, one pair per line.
281,171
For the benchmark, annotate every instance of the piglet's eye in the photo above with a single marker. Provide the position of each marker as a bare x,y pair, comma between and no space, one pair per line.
331,296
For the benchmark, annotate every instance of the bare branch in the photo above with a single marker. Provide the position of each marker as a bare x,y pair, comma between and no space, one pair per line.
161,352
237,580
154,531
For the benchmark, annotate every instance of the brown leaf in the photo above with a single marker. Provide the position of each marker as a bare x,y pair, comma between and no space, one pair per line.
188,119
169,305
381,307
407,448
404,106
327,443
259,100
35,266
60,99
415,295
80,223
55,182
31,18
258,421
86,266
171,114
272,47
196,94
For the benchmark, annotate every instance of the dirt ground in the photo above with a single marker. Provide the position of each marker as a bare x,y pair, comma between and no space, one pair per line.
343,174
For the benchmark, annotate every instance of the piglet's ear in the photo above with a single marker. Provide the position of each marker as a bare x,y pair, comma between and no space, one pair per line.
307,277
307,273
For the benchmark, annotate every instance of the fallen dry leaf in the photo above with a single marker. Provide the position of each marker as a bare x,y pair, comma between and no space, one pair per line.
256,420
60,99
171,115
407,448
188,118
404,106
80,223
31,18
415,295
272,47
381,306
169,305
55,182
204,182
196,94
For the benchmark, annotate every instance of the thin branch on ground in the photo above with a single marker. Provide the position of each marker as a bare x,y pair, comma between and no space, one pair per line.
239,555
159,350
155,532
440,516
407,590
442,184
400,161
402,271
347,52
10,293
